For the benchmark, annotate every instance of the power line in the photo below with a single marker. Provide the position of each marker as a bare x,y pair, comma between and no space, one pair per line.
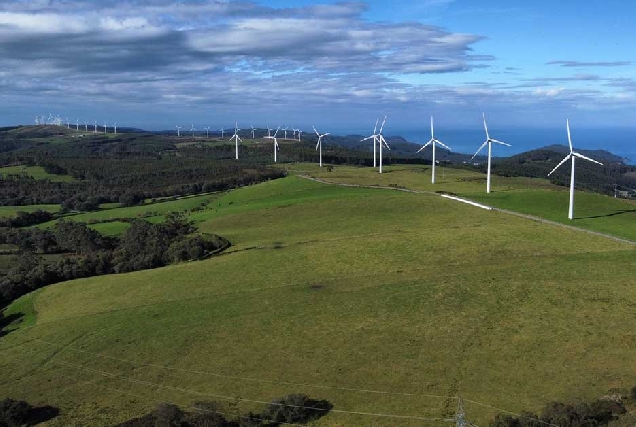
288,383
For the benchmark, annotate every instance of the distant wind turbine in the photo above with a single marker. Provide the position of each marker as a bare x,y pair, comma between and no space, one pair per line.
115,127
236,138
222,133
85,126
105,128
573,155
68,126
433,141
207,131
95,128
77,125
299,132
192,129
382,142
488,142
253,129
319,144
375,141
178,130
37,120
285,130
276,147
269,131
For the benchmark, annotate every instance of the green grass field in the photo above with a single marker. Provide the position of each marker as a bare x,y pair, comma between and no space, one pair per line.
12,211
329,289
36,172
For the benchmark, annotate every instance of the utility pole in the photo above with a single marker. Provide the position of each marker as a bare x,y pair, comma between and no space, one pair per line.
460,416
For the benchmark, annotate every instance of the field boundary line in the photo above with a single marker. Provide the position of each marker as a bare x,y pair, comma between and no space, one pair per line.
506,211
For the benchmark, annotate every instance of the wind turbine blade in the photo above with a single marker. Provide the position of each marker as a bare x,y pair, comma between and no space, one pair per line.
500,142
325,134
485,125
368,137
480,148
239,138
574,153
375,128
432,137
276,133
443,145
383,141
424,146
567,124
318,143
562,161
316,131
382,127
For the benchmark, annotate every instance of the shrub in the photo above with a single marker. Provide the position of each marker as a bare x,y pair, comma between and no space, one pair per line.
296,408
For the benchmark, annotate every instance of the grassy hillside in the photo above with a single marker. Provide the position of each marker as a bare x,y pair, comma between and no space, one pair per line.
329,289
35,172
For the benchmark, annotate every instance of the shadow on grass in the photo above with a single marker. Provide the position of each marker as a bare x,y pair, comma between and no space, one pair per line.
624,211
8,320
41,414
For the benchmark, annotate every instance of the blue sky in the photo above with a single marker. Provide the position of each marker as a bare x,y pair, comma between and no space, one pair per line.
338,65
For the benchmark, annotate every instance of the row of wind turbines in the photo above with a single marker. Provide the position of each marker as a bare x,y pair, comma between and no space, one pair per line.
379,143
57,121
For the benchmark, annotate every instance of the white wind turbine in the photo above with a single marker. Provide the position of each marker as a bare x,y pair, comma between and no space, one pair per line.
382,142
269,132
573,154
115,127
236,138
299,132
488,142
433,141
375,140
222,133
37,120
207,131
178,130
95,126
294,135
105,128
77,125
276,147
192,129
253,130
68,126
319,144
85,126
285,130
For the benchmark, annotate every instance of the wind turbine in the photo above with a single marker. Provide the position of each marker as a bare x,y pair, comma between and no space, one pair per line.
573,154
285,130
178,130
488,142
105,128
222,133
207,131
115,127
37,120
236,138
68,126
381,141
375,140
294,135
299,132
433,141
192,129
319,144
276,147
85,126
95,126
77,125
269,132
253,129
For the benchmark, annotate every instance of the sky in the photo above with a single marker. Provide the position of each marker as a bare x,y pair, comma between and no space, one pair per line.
154,64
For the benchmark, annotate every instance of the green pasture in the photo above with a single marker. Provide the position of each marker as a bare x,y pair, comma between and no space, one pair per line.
35,172
12,211
380,301
531,196
155,211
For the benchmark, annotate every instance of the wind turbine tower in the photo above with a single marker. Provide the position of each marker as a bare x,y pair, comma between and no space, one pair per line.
236,138
276,147
207,131
115,127
68,126
105,128
253,130
319,144
178,131
488,142
77,125
433,141
573,155
95,126
192,129
375,140
85,126
222,133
